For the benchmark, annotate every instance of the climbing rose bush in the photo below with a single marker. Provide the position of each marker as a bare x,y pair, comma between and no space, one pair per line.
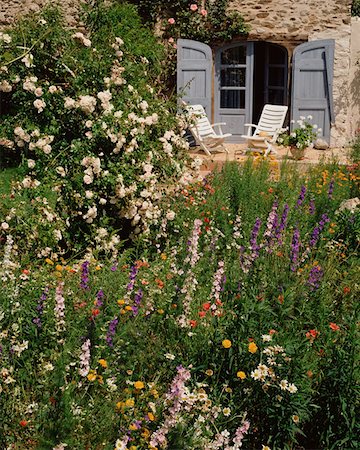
86,119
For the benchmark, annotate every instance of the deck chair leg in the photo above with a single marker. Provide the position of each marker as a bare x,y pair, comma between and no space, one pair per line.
206,150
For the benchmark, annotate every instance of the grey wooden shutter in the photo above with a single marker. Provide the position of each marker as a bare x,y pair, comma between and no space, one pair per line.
194,73
312,84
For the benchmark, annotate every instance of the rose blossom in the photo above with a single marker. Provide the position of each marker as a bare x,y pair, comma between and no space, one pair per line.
203,12
193,7
171,21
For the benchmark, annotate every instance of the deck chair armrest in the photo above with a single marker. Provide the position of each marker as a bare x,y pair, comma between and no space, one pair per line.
218,124
249,125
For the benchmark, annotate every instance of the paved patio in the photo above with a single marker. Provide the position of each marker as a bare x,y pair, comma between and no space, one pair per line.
237,152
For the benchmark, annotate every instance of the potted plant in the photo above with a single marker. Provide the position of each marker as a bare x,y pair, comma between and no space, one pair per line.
301,137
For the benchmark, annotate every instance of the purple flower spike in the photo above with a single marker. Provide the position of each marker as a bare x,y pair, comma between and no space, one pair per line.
85,275
331,188
301,197
111,331
315,276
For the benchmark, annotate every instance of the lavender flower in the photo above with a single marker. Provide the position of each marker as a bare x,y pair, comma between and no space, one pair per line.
318,229
111,331
283,223
331,188
40,308
312,207
301,197
295,249
315,276
85,275
99,298
254,234
132,278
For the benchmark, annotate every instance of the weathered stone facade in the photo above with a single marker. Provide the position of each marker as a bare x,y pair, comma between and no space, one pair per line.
285,22
10,10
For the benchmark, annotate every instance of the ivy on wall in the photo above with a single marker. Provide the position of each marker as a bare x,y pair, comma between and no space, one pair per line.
355,8
205,21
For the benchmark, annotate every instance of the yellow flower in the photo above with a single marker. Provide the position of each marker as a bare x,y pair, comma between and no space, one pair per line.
92,375
241,375
133,427
121,302
161,311
139,385
103,363
209,372
154,393
253,347
48,260
163,256
128,308
119,405
100,379
129,403
98,268
226,343
151,416
146,433
58,267
122,311
133,447
58,274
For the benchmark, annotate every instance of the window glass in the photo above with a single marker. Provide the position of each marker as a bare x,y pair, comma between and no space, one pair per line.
232,99
234,55
232,76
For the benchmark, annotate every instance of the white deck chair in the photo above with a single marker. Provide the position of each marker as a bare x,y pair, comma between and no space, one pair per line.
203,132
267,130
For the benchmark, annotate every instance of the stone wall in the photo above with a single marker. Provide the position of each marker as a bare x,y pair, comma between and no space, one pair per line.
354,79
10,10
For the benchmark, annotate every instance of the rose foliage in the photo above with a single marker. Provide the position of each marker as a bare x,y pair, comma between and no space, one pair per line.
85,117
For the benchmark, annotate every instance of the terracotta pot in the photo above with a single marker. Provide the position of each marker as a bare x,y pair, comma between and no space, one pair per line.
297,153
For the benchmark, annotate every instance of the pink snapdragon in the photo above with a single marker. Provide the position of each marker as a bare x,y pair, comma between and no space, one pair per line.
85,358
59,309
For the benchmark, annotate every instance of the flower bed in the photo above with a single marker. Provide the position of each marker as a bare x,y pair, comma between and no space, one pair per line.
236,326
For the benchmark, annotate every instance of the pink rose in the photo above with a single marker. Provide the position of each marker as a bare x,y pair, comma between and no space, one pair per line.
203,12
193,7
171,21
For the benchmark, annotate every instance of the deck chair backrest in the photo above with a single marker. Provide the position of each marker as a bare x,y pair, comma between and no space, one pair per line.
271,120
202,126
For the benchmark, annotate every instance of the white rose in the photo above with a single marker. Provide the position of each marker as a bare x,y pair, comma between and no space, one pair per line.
38,92
170,215
4,226
88,179
39,105
31,163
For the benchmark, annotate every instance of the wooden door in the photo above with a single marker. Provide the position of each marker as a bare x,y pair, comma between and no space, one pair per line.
233,87
312,84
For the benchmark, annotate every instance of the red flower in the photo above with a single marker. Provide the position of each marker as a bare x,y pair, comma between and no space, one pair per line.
202,314
272,332
23,423
95,312
334,327
346,290
206,306
312,334
193,323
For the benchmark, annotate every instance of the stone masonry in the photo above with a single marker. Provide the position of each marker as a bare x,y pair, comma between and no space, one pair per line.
10,10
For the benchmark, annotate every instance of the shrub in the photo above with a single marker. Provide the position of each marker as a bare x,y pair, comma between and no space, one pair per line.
88,119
